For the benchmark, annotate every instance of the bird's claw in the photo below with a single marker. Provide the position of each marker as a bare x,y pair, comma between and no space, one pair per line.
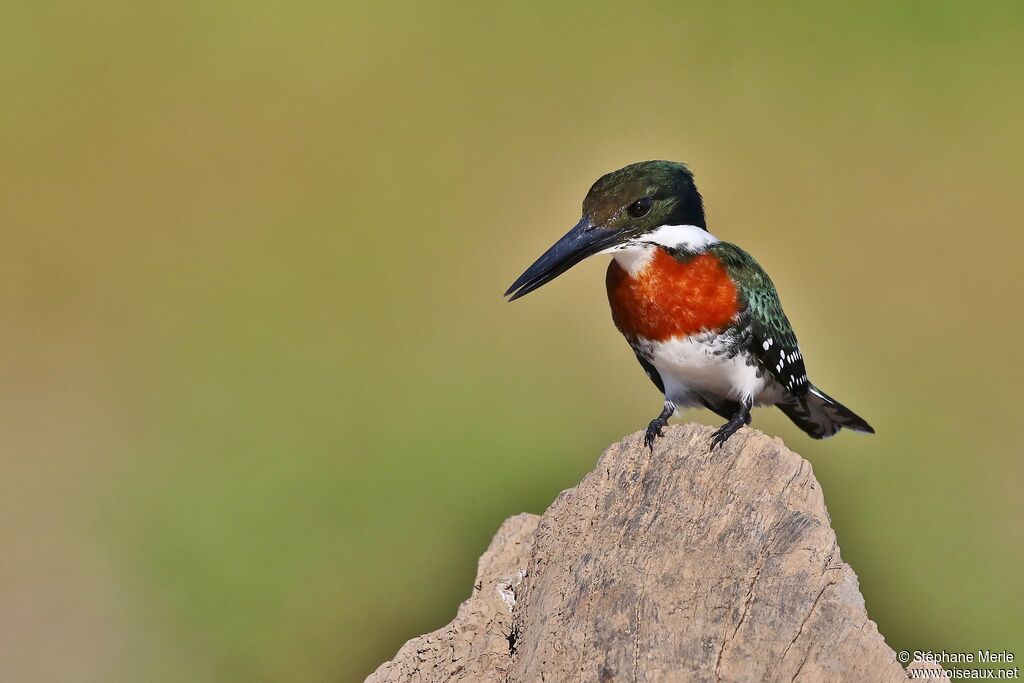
654,431
722,435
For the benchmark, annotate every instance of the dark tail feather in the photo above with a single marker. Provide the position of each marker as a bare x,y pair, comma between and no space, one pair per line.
820,415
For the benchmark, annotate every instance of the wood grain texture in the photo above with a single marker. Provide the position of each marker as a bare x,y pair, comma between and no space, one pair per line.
677,565
475,645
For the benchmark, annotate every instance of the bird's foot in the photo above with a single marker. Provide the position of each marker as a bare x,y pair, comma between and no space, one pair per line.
740,419
723,433
654,432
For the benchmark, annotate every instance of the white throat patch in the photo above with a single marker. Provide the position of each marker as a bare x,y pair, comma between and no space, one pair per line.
634,255
690,237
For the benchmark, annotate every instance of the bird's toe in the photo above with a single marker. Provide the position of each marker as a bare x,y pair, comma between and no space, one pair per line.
720,436
654,431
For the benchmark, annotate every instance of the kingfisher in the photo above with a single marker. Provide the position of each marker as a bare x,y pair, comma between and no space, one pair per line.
701,315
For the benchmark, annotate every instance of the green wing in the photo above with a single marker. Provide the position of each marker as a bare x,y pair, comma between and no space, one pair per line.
772,342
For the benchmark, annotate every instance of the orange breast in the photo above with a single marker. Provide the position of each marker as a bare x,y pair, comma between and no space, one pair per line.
669,298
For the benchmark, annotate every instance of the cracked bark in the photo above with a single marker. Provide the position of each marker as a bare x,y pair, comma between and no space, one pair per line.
681,565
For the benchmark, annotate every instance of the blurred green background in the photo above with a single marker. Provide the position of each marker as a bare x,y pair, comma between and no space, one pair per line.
262,404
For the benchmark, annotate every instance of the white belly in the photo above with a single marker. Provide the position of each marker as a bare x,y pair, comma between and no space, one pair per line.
702,366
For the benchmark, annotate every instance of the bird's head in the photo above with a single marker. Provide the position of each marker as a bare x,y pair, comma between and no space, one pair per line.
620,208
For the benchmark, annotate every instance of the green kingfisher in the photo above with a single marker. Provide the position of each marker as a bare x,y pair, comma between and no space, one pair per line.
701,315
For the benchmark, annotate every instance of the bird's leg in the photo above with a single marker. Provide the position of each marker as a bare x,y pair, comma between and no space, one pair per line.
658,423
739,419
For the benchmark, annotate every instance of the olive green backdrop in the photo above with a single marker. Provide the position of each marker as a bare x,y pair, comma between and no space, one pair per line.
261,402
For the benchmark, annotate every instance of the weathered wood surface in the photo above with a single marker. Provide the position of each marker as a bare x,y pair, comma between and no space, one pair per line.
475,646
681,565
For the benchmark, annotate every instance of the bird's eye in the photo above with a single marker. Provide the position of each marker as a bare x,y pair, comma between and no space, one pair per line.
640,207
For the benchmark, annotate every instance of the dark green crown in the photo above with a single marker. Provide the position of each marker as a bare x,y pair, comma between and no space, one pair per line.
621,206
644,196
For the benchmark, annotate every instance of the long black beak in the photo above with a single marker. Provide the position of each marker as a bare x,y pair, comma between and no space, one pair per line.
582,241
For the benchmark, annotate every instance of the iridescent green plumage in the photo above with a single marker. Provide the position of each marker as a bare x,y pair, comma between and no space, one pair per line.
771,338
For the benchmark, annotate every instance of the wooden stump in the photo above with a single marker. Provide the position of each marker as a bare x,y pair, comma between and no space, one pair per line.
677,565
